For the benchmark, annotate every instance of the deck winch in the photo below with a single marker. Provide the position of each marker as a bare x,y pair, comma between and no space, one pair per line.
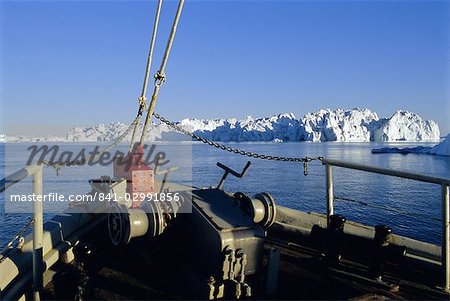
225,232
150,219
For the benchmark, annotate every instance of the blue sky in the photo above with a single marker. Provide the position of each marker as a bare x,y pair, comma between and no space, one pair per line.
67,63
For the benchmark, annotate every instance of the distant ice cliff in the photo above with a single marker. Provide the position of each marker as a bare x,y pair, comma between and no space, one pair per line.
355,125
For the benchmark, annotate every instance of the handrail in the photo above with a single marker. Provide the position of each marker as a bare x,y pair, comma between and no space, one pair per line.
18,176
388,172
445,212
38,221
36,172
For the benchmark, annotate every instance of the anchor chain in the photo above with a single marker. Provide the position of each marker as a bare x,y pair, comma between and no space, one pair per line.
304,160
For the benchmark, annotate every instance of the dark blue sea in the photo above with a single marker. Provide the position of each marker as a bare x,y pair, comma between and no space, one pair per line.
410,208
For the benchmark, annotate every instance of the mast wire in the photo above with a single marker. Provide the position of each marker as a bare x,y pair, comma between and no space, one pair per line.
143,97
160,76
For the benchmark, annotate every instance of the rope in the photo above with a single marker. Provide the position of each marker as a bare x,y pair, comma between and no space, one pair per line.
160,76
386,208
143,97
178,128
16,237
159,79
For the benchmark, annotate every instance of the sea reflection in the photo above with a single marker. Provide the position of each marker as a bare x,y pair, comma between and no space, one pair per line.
413,208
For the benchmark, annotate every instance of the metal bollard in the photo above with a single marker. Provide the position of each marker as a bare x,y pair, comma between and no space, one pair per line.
335,236
381,242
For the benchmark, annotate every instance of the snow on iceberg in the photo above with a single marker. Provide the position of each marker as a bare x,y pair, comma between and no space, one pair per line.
405,126
338,125
355,125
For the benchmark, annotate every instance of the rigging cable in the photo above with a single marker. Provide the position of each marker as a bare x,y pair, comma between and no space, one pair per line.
143,97
160,77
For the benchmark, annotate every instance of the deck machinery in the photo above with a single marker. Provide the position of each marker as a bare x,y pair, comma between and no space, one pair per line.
213,244
229,245
224,233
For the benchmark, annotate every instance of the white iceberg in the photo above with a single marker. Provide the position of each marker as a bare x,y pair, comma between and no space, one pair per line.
405,126
355,125
338,125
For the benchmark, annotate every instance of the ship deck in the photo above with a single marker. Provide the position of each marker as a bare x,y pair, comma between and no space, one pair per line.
138,271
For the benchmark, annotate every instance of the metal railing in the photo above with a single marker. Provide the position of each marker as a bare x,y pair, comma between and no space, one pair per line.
445,211
36,172
38,224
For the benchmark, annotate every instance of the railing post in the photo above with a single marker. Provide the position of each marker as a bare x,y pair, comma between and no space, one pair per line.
38,225
446,237
330,196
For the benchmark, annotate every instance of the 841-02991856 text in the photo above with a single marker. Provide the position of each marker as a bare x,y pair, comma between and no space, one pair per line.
154,197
